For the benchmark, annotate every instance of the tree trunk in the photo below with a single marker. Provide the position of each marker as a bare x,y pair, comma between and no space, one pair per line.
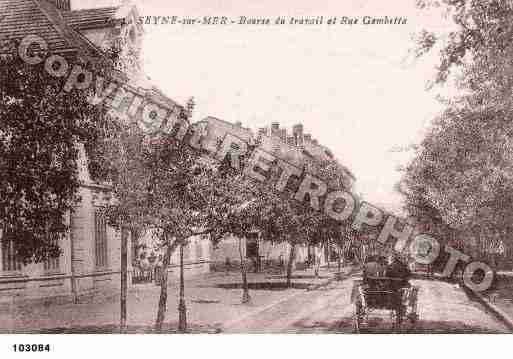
72,259
339,259
182,309
317,261
161,312
328,253
289,264
124,279
245,288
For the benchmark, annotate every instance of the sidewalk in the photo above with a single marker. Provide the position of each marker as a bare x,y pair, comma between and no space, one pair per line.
499,300
211,299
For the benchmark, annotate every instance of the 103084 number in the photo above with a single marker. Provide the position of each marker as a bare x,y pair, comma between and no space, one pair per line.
31,347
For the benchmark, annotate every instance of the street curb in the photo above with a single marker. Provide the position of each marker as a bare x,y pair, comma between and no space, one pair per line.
226,325
231,323
502,316
320,285
336,276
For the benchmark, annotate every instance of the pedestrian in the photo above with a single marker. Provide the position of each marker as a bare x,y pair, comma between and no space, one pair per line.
227,265
399,275
398,272
318,258
158,271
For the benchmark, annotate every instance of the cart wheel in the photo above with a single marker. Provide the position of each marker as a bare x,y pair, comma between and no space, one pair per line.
399,317
413,317
358,317
356,325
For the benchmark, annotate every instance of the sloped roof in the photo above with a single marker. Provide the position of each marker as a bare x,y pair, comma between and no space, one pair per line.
91,18
60,29
160,95
19,18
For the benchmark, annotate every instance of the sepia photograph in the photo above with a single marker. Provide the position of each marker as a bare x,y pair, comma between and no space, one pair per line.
271,167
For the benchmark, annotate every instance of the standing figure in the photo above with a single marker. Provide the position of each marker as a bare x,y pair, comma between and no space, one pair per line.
227,265
398,272
318,258
399,275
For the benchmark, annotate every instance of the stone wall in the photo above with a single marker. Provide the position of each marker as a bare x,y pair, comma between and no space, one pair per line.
76,263
269,253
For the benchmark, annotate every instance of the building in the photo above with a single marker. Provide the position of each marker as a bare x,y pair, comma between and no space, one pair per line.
89,264
298,149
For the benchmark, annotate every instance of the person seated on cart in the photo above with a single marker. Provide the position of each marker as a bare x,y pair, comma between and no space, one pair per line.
398,273
374,272
375,266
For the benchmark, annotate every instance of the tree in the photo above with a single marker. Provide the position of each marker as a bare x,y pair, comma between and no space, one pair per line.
181,195
283,219
231,205
461,175
326,228
124,154
172,200
279,223
41,127
232,209
482,30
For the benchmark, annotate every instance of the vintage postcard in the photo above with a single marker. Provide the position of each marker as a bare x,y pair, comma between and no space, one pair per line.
301,167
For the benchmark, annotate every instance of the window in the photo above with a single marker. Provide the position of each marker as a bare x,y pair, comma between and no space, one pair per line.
51,264
134,240
100,239
132,35
252,245
199,249
9,260
186,252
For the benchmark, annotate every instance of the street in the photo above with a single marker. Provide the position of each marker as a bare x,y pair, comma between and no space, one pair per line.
443,308
213,306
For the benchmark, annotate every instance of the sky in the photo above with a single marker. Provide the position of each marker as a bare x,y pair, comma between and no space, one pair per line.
354,88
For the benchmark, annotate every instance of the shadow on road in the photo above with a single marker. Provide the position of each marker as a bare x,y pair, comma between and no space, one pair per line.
264,286
344,326
384,326
168,328
299,276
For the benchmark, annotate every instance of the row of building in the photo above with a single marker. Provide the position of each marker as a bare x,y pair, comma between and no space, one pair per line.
89,264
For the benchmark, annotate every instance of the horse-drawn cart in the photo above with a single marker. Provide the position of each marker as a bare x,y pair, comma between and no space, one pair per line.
384,294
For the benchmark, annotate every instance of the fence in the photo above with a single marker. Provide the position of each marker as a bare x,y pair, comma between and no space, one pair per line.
142,276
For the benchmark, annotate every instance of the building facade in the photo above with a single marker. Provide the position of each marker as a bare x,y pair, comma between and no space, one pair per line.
89,264
300,150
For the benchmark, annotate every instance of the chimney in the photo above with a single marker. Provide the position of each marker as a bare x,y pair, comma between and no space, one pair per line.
263,131
61,4
275,129
297,132
283,134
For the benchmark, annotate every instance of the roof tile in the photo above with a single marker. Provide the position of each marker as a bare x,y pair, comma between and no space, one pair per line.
90,18
19,18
